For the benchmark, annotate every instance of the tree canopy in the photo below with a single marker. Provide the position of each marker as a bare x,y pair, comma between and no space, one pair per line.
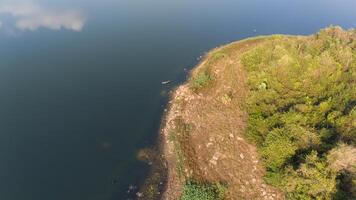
301,105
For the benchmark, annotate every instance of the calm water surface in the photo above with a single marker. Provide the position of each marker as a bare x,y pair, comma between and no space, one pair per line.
80,81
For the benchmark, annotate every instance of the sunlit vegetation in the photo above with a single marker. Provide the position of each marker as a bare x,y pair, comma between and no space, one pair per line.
202,77
302,112
198,191
201,80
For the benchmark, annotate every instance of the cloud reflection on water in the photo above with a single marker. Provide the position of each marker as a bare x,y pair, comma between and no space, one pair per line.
28,15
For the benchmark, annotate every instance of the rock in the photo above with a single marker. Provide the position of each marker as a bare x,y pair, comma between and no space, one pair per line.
240,139
214,159
242,156
213,162
139,194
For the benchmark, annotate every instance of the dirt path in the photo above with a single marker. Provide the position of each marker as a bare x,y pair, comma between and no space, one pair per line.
208,126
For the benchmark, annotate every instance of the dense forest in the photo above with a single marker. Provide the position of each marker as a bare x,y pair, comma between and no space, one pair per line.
302,112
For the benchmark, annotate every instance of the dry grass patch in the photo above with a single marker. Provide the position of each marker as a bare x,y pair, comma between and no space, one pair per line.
211,107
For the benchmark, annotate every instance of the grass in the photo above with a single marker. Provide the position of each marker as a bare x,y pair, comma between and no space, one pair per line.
203,77
178,153
213,90
177,136
200,191
201,80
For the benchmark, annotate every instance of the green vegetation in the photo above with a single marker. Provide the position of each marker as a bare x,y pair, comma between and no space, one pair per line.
302,107
177,136
201,80
202,77
198,191
178,153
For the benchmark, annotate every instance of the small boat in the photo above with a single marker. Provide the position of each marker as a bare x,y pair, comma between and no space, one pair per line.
165,82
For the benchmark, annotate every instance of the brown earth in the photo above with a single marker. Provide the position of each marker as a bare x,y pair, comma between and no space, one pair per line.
203,133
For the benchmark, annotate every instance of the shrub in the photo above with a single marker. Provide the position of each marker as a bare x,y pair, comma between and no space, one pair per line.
301,104
313,180
277,149
201,80
198,191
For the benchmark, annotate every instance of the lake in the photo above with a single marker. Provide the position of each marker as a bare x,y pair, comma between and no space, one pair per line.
80,81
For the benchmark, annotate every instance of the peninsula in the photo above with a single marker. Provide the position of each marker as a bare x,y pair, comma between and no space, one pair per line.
270,117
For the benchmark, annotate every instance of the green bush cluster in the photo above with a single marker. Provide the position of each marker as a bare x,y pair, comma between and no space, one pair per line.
301,104
200,191
201,80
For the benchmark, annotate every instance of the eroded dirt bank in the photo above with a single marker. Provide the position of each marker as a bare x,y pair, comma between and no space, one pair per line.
203,136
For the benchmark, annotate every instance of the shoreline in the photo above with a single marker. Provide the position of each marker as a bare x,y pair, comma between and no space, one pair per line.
161,148
173,183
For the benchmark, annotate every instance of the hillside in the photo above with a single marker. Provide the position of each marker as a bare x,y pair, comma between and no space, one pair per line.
266,118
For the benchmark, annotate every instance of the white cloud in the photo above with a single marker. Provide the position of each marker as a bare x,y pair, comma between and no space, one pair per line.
31,16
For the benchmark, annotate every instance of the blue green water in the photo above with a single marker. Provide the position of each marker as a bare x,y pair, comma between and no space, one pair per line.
80,81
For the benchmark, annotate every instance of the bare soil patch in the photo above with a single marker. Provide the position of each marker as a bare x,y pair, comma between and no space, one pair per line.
203,134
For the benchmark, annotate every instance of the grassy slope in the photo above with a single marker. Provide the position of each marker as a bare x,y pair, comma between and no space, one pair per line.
293,97
301,107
